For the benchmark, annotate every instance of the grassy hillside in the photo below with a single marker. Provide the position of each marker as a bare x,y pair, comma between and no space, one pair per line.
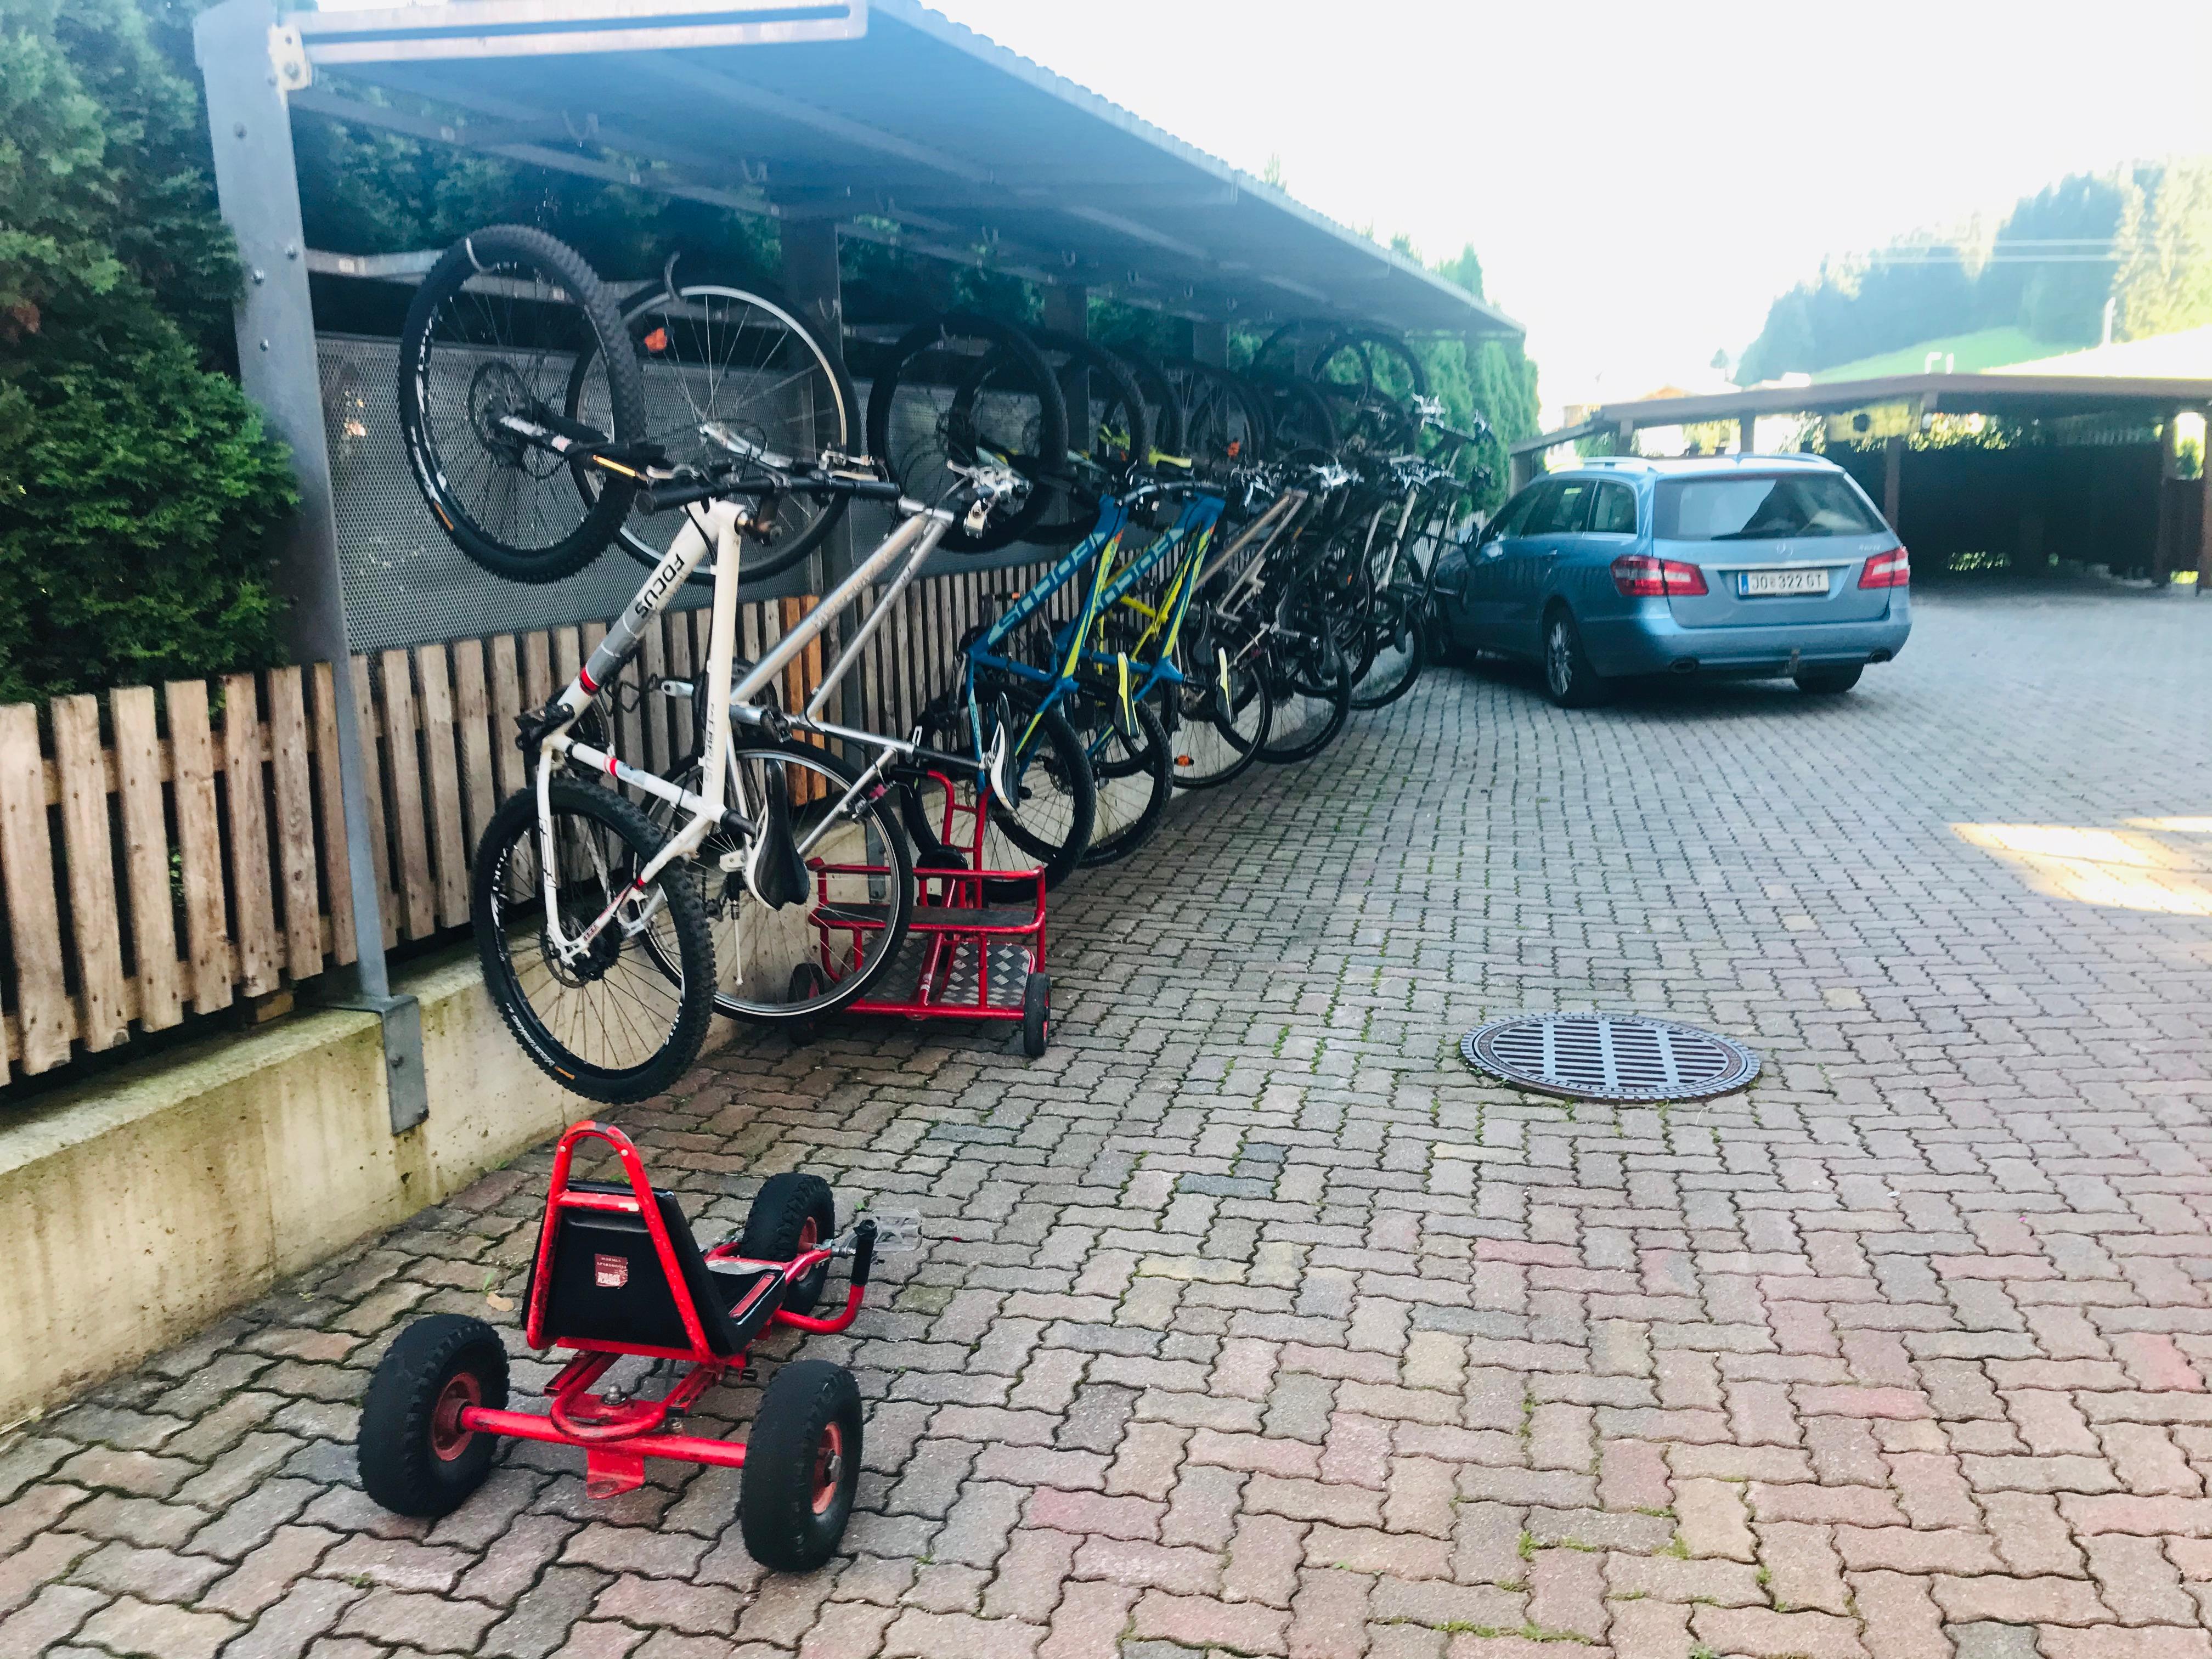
1988,348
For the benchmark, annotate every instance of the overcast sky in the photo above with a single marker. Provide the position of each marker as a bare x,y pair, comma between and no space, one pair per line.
1640,180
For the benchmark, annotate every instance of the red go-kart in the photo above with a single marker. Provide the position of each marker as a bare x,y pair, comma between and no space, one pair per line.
617,1272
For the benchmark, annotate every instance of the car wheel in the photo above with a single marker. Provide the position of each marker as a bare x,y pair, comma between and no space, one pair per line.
1569,678
1827,682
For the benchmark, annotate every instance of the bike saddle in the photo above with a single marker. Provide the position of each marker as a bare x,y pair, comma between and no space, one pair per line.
774,869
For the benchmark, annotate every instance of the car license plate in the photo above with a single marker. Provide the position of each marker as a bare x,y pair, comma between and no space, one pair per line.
1751,583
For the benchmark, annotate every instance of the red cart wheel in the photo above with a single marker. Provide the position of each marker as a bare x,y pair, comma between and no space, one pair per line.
1036,1014
802,1467
791,1212
415,1455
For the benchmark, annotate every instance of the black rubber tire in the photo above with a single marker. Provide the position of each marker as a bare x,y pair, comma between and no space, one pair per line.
1829,681
782,1530
1160,398
400,1468
775,1230
596,522
1050,460
1037,1015
1207,707
1570,679
1391,609
1148,756
1334,686
748,746
517,822
952,730
1074,508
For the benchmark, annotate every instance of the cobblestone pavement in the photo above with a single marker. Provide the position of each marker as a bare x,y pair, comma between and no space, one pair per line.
1278,1332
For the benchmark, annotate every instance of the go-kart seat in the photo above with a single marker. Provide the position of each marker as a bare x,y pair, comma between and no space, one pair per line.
608,1284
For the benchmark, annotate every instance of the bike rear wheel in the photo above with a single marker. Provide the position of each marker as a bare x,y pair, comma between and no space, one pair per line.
624,1020
721,356
1398,650
1312,687
788,965
1135,778
1224,708
1048,823
959,389
499,328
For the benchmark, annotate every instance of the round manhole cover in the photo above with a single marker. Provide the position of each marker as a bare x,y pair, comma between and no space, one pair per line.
1609,1057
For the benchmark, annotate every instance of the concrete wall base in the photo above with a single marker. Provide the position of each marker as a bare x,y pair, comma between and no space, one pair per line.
141,1208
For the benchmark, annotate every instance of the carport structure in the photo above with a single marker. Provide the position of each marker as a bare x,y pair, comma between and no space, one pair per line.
2134,494
870,118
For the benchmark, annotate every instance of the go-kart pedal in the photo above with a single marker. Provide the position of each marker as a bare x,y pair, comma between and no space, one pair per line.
618,1270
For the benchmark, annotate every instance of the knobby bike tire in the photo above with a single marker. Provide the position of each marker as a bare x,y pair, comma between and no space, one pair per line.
438,452
501,896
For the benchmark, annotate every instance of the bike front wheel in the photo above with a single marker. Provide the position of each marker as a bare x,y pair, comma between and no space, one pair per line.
624,1017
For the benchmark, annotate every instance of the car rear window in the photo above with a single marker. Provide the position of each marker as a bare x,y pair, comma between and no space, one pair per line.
1762,509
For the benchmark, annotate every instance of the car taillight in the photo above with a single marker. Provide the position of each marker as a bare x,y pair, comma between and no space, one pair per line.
1890,569
1639,576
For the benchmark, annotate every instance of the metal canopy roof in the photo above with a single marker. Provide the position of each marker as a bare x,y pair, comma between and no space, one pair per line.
2022,396
887,118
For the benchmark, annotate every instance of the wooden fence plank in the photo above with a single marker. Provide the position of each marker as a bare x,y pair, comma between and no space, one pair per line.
146,857
441,804
410,833
254,897
373,770
95,919
680,667
294,826
568,657
472,714
330,791
44,1019
652,708
200,844
507,694
536,668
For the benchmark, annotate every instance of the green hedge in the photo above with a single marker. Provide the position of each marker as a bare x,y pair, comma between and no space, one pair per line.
139,498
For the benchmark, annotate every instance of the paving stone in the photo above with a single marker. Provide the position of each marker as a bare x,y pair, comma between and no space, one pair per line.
1281,1333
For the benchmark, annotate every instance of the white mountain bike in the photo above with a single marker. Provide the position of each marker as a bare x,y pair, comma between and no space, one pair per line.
599,922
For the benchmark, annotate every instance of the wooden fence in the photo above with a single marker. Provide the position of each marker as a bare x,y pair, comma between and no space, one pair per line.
181,852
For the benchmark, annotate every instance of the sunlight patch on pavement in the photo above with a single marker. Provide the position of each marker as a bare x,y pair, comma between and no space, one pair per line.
2127,871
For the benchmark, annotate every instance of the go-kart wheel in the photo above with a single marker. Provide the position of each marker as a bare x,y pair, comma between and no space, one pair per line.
791,1212
416,1458
802,1464
1036,1014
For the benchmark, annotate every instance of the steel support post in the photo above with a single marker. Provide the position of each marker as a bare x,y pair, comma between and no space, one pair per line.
1747,434
1892,483
1209,344
249,66
814,291
2204,517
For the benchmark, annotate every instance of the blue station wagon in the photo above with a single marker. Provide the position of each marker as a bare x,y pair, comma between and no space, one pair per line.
1749,567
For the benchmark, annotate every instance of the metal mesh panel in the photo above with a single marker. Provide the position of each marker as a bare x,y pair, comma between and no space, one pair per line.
406,584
